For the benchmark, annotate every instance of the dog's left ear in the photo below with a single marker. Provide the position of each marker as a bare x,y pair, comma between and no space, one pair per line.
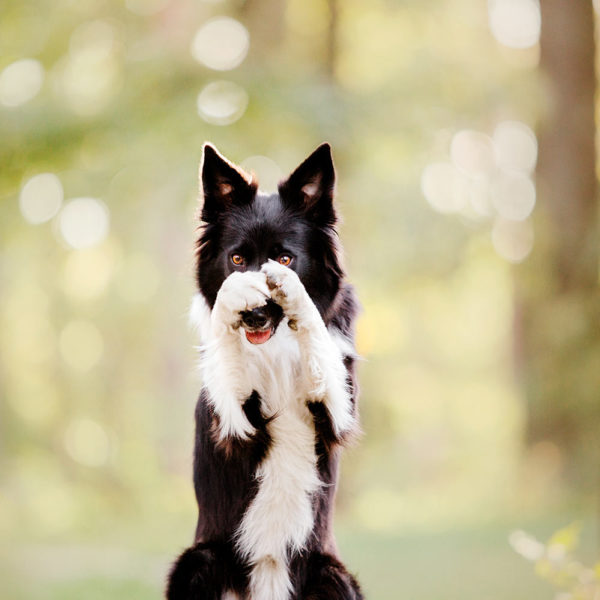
310,187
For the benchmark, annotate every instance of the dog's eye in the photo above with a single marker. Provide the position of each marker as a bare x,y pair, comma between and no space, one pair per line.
237,260
285,260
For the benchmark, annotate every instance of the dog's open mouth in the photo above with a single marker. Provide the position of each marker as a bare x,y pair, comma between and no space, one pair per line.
260,323
259,337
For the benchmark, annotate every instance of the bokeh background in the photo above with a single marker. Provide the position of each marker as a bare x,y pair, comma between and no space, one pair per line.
464,137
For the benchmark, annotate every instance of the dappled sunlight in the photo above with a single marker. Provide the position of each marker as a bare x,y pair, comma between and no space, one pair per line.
513,195
40,198
478,352
515,146
472,152
444,187
489,178
221,44
90,75
84,222
20,82
222,102
526,545
515,23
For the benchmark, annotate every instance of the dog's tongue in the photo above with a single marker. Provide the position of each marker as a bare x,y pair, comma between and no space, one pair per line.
258,337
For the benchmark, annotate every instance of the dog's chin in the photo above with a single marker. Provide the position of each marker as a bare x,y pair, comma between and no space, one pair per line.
259,337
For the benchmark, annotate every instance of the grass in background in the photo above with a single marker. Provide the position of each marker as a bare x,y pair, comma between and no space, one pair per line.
469,564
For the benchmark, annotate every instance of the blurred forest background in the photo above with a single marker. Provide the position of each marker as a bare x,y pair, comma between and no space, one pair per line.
464,137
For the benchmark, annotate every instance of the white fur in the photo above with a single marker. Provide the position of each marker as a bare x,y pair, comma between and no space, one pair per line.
345,345
223,359
293,366
320,352
280,516
199,317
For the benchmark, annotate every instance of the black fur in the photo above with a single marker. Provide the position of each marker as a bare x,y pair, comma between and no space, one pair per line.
323,577
298,221
205,570
223,474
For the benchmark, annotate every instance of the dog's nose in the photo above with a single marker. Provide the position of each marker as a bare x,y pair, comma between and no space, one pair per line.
255,319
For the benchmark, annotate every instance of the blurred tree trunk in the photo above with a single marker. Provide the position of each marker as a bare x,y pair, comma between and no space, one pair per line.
265,20
558,323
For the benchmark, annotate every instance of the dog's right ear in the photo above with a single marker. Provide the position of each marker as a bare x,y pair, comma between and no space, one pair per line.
222,184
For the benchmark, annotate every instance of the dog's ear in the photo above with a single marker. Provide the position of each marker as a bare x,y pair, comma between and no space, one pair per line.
310,187
222,184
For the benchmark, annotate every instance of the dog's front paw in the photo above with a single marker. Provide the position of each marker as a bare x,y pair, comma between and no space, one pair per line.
286,289
240,292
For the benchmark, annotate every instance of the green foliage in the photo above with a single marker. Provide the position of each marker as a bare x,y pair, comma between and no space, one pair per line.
556,562
96,353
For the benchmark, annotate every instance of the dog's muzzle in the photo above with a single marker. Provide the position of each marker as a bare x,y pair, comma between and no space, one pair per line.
260,323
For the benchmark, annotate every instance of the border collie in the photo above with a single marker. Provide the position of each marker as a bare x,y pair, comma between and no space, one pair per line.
276,322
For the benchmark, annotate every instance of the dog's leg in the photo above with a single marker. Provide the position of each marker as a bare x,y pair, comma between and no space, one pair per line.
223,365
326,578
205,572
321,353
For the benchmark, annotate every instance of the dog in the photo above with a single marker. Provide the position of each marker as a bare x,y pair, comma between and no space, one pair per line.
279,402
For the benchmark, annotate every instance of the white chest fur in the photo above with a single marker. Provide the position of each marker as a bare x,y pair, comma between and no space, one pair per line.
280,517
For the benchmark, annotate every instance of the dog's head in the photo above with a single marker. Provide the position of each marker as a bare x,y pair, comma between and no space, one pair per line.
242,228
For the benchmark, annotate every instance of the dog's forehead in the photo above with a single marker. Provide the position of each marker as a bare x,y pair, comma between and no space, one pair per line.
266,206
263,219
